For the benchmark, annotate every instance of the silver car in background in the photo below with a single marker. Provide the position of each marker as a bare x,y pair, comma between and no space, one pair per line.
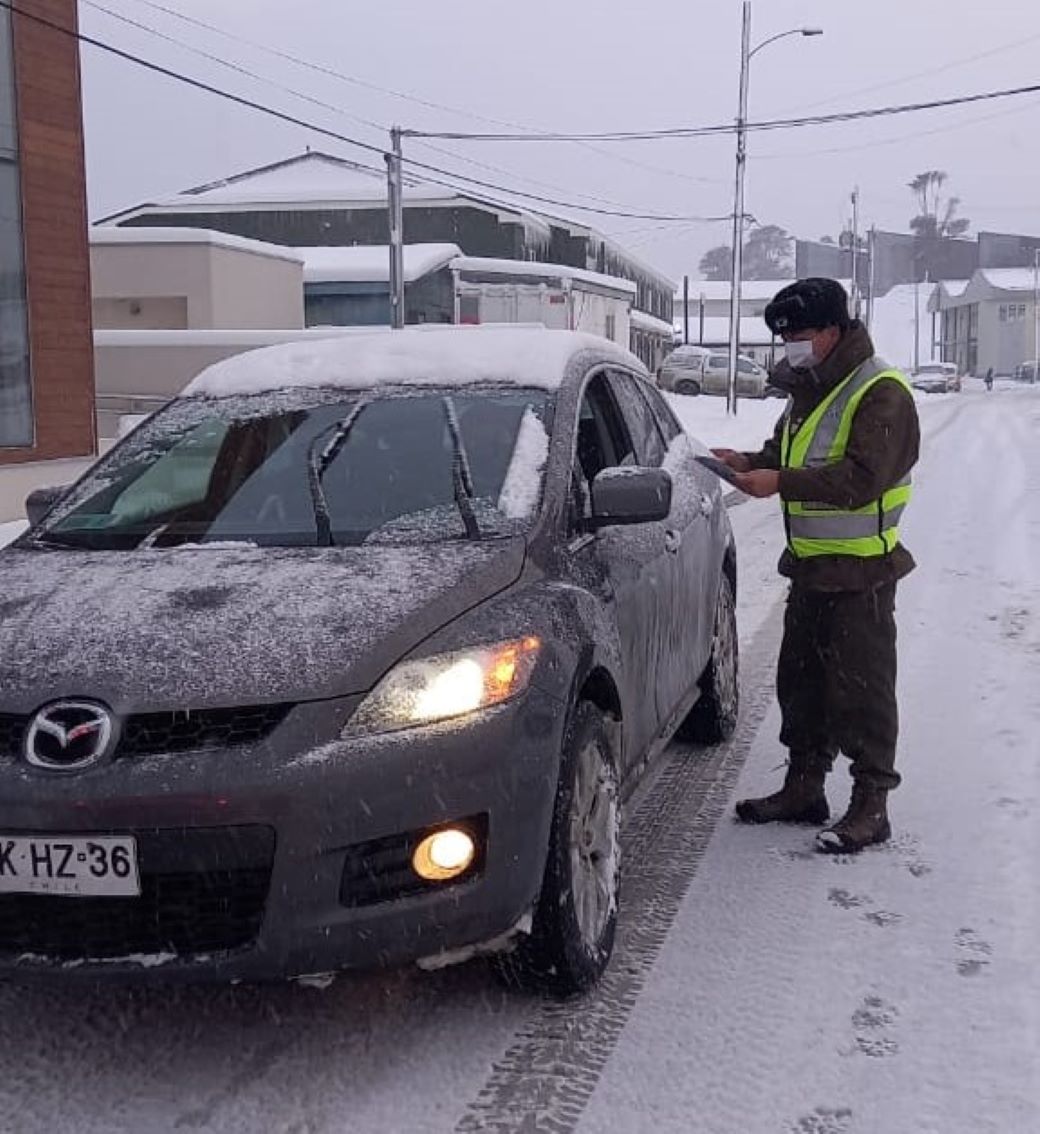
698,370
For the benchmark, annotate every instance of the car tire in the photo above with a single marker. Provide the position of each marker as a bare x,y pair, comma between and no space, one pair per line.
688,386
575,920
713,718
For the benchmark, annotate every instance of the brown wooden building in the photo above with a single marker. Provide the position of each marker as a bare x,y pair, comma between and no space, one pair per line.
46,353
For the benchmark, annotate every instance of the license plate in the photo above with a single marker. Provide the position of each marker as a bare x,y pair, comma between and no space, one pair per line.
75,866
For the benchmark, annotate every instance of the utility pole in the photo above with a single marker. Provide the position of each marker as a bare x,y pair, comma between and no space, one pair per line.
686,309
917,326
737,262
395,203
1036,314
871,273
855,253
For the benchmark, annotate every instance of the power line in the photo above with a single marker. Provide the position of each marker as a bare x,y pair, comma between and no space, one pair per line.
292,119
710,131
232,66
429,104
947,129
382,127
942,69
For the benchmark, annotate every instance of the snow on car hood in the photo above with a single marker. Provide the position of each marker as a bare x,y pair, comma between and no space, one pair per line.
210,627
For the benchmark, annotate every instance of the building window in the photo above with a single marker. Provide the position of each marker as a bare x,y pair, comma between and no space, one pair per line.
611,328
16,419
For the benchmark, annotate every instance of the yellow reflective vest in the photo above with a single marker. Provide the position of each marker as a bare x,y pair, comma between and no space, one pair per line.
823,529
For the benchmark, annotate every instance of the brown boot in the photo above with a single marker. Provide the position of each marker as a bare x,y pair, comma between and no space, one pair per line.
800,800
864,824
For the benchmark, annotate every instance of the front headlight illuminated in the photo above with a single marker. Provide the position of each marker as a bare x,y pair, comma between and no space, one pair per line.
446,686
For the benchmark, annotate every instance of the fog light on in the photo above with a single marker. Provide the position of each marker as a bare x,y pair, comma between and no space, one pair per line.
444,855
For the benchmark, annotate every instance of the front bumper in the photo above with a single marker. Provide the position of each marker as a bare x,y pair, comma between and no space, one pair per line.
249,856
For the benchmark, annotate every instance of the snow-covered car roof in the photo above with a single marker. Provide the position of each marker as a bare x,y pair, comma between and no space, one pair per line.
428,356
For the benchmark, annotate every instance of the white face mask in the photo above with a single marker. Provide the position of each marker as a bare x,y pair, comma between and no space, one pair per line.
800,354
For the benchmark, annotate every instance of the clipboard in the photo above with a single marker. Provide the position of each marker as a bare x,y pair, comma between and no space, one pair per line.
719,468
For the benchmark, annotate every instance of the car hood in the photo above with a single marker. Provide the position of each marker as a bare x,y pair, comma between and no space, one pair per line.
209,627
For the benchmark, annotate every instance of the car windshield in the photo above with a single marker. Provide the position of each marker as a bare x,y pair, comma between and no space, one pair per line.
316,468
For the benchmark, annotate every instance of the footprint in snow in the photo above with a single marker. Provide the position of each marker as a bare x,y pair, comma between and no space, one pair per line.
846,901
973,953
872,1026
823,1120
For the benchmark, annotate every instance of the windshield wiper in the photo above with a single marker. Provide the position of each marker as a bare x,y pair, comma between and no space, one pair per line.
461,474
317,465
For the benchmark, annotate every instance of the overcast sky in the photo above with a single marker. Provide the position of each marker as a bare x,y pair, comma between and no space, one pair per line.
592,65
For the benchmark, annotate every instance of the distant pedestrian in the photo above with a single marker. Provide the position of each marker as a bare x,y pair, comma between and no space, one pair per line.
840,459
989,379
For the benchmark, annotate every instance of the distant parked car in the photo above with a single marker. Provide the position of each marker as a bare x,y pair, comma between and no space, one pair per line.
1026,372
698,370
937,378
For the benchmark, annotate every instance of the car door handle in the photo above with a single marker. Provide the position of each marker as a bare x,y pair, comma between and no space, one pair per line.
672,540
707,505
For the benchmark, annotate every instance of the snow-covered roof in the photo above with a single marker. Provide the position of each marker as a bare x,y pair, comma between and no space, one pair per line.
641,321
220,337
753,331
520,268
750,290
1008,279
432,355
104,236
371,263
311,177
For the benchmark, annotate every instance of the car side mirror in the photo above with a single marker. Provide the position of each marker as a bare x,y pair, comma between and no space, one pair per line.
39,502
630,496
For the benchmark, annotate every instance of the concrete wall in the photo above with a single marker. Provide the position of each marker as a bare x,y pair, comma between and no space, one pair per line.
255,291
220,287
153,364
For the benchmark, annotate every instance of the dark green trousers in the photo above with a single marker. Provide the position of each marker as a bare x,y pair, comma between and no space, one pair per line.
836,681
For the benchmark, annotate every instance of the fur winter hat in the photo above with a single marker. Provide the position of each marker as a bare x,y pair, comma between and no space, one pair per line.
809,304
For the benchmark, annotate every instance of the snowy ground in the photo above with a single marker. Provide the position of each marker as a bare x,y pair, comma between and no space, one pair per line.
10,531
757,988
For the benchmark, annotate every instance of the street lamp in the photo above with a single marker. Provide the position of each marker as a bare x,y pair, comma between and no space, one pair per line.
747,53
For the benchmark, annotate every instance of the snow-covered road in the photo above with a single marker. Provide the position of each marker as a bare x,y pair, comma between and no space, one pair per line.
757,988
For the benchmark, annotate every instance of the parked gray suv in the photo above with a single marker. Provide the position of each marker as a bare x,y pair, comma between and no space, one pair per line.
350,656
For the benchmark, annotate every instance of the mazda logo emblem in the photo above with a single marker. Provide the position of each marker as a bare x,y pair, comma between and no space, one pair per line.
69,736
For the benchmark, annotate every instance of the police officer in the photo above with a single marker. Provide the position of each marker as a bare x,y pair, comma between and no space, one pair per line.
840,460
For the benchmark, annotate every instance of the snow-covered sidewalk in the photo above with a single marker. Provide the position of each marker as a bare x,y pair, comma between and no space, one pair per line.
897,991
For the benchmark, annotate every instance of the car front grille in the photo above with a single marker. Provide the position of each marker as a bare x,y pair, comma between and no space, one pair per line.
179,912
12,732
148,733
182,730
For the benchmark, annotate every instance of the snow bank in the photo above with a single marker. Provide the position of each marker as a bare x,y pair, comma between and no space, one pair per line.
436,356
706,419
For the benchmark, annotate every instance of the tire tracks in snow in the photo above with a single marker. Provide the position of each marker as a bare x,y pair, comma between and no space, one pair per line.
548,1074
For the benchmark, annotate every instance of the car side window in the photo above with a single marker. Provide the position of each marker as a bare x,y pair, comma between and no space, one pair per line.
603,440
649,444
746,367
667,422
